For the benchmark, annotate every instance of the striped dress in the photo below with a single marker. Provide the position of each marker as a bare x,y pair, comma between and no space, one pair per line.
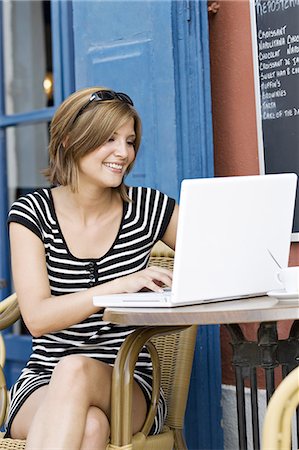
144,222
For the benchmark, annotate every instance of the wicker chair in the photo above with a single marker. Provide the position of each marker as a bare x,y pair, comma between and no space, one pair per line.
172,356
279,413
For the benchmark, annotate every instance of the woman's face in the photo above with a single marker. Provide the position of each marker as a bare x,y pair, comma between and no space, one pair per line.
105,166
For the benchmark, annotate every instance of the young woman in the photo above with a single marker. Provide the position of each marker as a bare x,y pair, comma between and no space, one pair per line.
88,235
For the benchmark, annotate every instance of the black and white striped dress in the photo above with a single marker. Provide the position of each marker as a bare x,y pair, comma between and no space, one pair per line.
144,222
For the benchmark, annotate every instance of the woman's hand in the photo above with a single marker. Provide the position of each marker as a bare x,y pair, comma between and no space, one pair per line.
151,278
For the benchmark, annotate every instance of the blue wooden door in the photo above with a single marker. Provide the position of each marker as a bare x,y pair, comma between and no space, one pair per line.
157,52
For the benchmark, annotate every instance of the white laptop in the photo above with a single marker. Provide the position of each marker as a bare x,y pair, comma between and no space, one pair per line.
233,234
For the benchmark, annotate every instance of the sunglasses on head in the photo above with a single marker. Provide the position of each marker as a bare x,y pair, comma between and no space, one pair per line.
102,96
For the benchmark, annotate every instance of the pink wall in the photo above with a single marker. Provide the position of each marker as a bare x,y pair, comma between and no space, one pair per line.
234,116
234,119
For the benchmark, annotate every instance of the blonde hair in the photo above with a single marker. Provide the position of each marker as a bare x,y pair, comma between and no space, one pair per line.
71,140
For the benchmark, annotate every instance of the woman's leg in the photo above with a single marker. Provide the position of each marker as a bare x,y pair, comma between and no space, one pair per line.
23,420
97,430
97,427
61,417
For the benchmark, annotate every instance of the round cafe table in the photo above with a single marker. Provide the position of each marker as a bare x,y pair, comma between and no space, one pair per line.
266,352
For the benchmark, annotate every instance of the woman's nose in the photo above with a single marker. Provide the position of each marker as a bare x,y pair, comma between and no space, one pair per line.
121,148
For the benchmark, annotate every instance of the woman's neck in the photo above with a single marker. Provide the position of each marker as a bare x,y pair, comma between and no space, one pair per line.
88,205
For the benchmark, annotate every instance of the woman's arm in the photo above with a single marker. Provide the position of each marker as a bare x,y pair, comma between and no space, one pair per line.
43,313
169,237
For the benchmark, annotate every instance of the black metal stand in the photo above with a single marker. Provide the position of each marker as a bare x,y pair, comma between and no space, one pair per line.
268,352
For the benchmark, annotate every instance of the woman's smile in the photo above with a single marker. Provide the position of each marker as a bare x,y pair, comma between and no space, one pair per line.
114,167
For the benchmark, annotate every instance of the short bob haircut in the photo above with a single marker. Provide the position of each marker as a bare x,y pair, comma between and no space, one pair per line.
71,140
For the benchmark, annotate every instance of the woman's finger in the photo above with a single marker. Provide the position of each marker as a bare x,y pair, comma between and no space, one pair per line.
160,270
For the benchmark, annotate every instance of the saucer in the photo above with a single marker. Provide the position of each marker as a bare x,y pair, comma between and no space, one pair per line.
282,294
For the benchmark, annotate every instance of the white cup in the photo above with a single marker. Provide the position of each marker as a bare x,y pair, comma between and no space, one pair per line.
289,277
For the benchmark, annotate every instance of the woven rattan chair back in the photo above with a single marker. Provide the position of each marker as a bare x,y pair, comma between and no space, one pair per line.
176,353
12,444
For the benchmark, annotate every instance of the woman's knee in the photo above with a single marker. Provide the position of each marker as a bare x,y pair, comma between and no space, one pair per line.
97,429
71,371
70,377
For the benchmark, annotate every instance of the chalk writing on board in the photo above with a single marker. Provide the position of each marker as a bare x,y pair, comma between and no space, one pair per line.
276,34
278,54
272,6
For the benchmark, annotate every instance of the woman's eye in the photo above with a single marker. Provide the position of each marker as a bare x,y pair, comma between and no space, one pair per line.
131,143
111,139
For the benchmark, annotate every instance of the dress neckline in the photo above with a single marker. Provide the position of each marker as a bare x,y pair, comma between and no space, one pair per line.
60,233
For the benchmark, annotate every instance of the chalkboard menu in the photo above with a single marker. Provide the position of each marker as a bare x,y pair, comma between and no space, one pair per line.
277,43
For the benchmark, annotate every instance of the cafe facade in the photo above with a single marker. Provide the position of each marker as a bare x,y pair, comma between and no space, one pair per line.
180,62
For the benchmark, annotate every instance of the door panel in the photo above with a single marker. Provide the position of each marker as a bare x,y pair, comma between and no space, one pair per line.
18,350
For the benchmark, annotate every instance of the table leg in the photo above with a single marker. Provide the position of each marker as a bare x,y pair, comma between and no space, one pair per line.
268,343
254,406
267,352
241,408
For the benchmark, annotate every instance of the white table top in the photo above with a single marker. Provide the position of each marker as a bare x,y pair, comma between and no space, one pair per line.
254,309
